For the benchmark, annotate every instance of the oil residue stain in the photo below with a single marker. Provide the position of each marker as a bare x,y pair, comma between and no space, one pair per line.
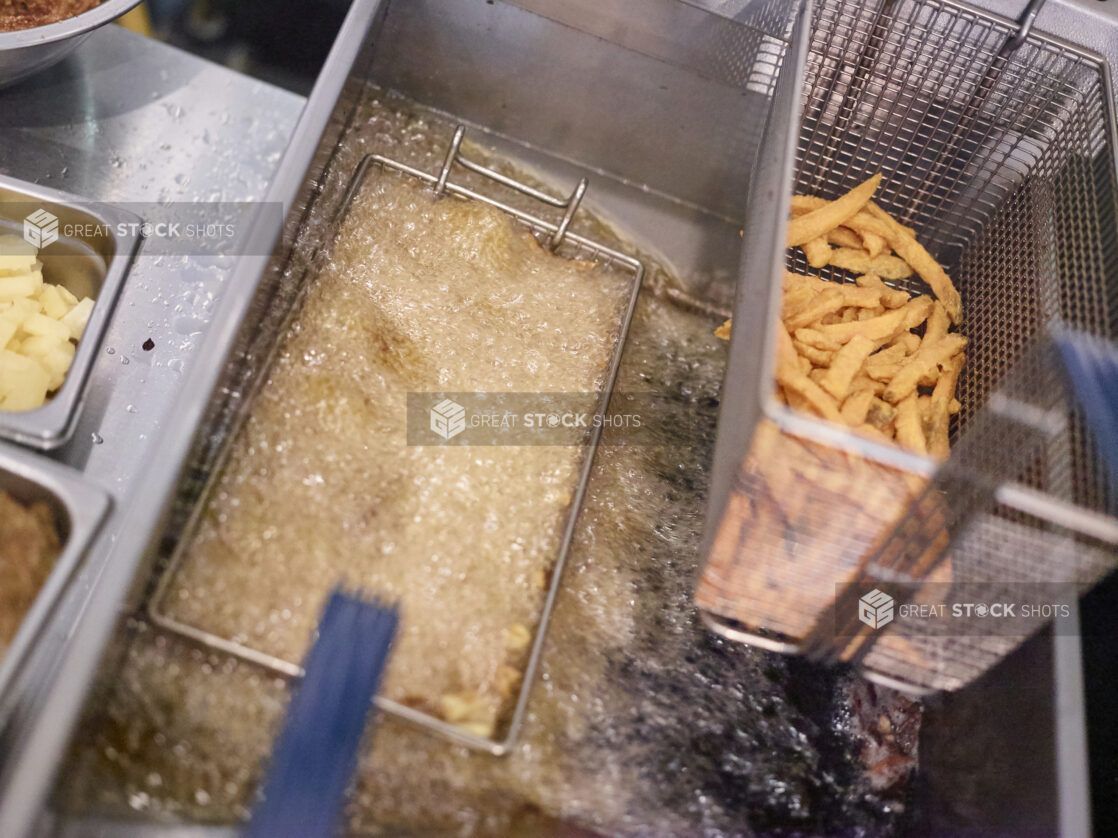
640,722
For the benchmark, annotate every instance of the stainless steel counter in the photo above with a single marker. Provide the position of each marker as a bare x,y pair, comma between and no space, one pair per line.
127,119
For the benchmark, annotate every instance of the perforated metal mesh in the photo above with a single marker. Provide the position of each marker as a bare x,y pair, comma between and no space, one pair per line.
1004,163
1005,167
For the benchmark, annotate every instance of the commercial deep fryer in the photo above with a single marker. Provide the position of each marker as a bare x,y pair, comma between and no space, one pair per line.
684,195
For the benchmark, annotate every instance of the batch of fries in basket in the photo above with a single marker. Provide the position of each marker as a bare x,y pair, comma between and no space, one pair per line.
862,353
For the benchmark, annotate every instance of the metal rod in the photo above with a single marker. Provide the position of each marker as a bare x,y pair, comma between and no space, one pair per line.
977,99
451,153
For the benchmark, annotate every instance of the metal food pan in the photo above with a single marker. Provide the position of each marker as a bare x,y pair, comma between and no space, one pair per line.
95,246
78,508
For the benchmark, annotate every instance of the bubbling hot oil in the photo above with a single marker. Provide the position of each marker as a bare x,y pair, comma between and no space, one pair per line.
420,295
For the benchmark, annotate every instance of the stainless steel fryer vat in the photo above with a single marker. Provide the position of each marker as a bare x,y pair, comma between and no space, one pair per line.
424,52
680,199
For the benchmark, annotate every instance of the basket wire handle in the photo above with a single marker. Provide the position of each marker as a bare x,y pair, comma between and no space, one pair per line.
867,60
973,108
569,205
1024,26
442,184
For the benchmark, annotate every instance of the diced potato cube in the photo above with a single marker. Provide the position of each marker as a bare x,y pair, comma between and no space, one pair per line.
51,301
40,324
15,265
16,256
77,317
25,284
8,328
23,382
24,307
66,296
55,356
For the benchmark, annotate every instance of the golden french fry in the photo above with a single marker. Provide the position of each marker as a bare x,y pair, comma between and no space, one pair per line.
873,243
938,323
787,361
792,379
818,222
916,311
860,262
828,302
928,269
883,365
861,222
818,357
805,203
817,339
856,406
876,328
855,295
817,251
847,363
723,331
820,402
869,313
938,421
890,297
955,407
797,402
929,378
924,361
908,341
864,382
844,237
870,430
884,373
909,431
924,409
795,301
874,210
893,353
814,283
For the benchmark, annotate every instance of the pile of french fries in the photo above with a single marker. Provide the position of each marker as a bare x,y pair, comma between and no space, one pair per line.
864,354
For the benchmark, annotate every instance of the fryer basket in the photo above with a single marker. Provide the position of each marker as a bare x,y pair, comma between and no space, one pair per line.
1000,151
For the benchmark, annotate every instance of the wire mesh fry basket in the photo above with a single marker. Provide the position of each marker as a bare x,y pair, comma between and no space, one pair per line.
998,146
555,234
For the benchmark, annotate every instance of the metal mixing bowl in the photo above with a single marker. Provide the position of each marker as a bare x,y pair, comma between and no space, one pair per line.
27,51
